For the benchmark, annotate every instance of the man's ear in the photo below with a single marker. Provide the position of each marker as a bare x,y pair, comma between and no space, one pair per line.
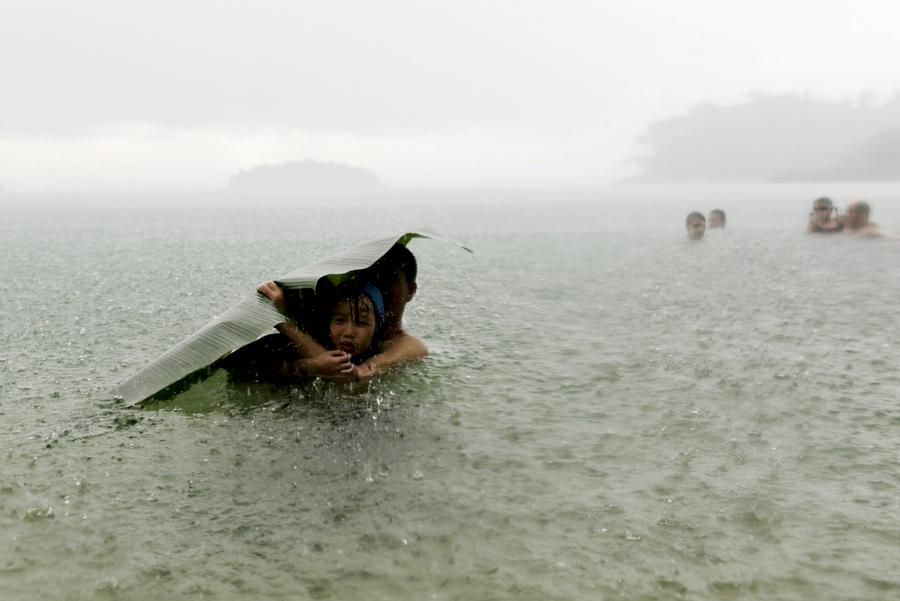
412,291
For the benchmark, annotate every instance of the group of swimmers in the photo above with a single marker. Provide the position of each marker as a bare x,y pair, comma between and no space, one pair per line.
351,332
696,223
824,219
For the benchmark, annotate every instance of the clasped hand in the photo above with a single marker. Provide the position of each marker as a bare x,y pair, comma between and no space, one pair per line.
337,365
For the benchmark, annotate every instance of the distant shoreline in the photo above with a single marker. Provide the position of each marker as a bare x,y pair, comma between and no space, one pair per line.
614,192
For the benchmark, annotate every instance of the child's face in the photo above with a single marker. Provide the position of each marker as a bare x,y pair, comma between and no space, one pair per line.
695,228
351,328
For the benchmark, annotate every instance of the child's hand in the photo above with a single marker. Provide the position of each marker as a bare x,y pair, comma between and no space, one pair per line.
357,373
331,364
365,372
274,293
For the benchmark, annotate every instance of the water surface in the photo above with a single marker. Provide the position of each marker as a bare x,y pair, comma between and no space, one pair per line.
609,411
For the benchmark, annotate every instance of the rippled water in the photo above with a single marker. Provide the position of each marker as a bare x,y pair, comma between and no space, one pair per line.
609,411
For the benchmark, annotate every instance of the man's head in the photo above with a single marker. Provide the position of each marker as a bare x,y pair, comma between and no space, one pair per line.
858,214
395,274
696,225
716,219
822,209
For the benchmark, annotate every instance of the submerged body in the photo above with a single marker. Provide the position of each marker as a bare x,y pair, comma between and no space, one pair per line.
395,274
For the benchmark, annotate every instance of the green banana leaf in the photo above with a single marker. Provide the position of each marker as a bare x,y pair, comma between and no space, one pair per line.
189,361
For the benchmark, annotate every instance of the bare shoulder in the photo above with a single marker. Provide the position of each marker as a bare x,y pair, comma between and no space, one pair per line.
404,343
874,232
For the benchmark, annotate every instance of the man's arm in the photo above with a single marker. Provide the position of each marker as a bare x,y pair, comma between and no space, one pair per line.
400,349
315,359
811,225
303,341
306,343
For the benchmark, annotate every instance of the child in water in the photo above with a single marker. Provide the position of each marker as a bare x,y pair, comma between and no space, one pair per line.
348,328
355,321
395,275
347,325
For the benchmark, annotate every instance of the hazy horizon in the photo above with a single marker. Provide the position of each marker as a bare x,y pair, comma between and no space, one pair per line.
167,96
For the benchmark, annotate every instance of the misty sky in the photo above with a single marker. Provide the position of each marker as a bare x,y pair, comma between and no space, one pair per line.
162,95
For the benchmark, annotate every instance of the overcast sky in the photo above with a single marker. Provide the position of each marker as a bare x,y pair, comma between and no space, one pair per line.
144,95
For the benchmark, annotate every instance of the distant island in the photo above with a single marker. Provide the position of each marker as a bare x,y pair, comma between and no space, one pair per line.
775,138
304,176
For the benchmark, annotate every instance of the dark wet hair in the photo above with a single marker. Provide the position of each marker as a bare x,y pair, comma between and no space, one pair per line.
718,212
398,259
355,291
694,215
824,199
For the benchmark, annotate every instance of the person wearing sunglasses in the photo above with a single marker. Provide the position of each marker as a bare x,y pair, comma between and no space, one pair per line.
824,218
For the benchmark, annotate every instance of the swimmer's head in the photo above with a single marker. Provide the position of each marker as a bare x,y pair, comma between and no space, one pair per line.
696,225
716,219
395,274
356,318
859,207
398,259
858,214
823,203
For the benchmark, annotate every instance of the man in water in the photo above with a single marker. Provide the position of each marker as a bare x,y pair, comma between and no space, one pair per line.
395,275
824,219
716,219
856,221
696,225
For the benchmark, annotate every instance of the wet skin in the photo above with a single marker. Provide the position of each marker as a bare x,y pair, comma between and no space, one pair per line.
351,328
696,229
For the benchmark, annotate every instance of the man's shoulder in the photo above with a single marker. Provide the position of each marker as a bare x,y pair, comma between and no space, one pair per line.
406,341
869,231
873,231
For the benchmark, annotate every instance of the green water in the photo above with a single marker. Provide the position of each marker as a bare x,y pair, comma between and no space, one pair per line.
608,411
